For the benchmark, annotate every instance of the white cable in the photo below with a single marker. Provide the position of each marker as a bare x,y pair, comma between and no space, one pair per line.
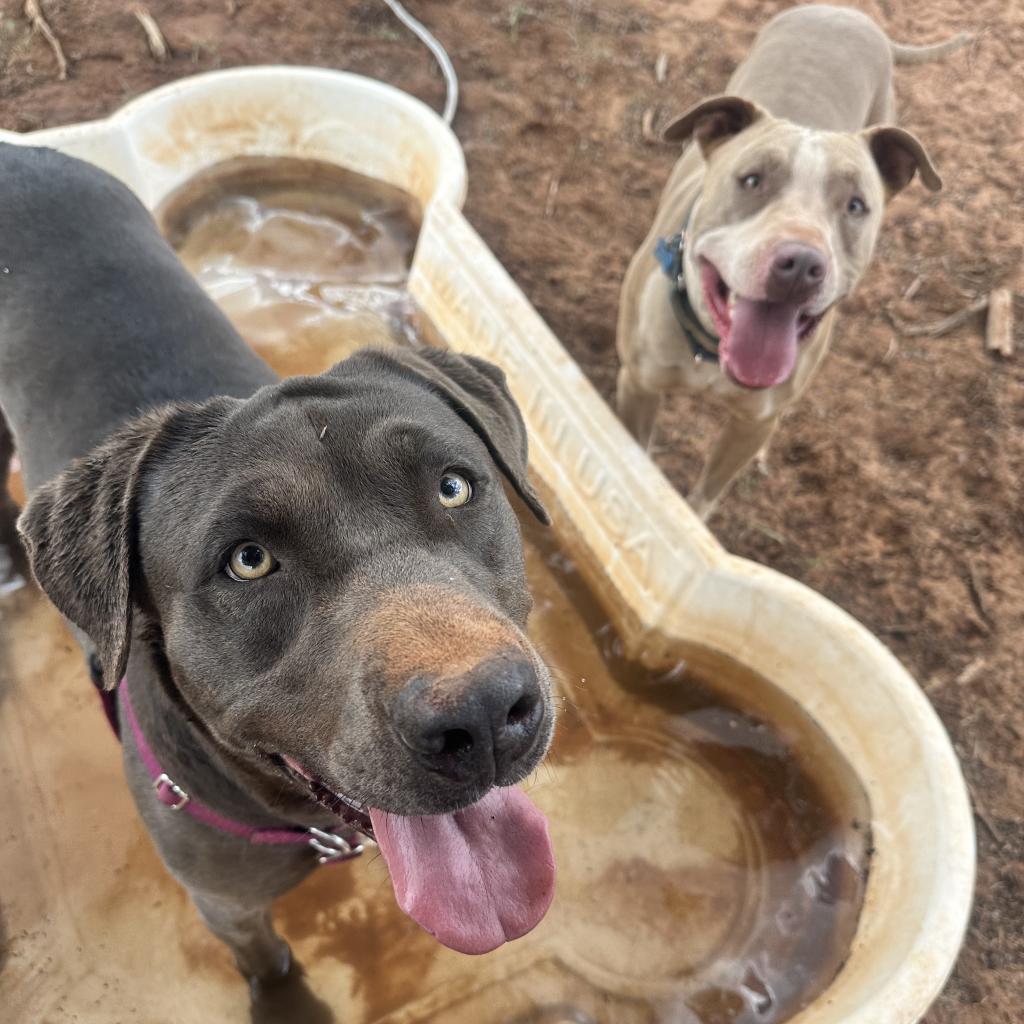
424,35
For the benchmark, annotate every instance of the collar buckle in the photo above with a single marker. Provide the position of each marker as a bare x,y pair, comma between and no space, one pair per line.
168,792
332,848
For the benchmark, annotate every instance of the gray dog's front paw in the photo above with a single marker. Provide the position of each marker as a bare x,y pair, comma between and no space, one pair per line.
275,970
286,998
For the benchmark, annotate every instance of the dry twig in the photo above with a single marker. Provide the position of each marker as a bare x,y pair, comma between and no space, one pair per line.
978,593
982,815
34,13
936,328
154,37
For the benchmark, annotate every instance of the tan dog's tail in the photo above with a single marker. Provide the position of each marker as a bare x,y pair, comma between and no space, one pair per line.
902,54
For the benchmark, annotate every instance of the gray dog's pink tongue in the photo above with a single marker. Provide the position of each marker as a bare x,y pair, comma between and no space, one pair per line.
476,878
761,348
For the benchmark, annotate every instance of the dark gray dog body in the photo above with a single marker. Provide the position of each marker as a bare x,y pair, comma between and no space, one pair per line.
155,444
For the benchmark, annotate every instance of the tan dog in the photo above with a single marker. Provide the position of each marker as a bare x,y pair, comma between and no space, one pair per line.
767,221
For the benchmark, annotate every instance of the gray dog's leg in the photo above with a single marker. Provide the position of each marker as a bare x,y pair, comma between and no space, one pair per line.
261,954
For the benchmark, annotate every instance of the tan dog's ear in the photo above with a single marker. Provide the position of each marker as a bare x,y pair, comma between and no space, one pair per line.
477,391
898,155
80,529
713,122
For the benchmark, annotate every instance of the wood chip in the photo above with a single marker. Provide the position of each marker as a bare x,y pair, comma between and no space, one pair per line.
971,672
914,287
999,328
549,202
936,328
154,37
647,126
34,13
661,68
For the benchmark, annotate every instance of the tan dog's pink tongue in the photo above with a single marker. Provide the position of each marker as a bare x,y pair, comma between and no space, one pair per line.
760,350
476,878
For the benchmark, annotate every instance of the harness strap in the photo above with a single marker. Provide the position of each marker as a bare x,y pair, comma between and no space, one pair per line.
332,846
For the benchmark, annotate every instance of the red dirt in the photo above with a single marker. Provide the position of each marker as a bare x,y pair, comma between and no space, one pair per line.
895,486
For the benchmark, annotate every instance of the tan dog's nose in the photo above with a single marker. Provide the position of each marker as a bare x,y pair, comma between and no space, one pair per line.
796,272
476,728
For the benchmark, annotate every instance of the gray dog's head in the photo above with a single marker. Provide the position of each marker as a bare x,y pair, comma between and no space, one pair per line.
329,575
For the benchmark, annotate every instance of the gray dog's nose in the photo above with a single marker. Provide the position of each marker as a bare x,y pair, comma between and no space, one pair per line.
797,271
475,728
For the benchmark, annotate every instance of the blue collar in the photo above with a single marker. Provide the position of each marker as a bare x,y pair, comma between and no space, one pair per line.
669,254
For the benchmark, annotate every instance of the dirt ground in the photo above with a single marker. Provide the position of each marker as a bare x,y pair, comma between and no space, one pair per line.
895,487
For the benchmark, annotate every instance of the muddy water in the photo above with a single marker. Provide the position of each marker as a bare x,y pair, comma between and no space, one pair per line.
309,260
712,846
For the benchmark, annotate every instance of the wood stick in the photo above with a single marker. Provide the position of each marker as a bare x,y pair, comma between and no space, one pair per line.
34,13
154,37
935,328
999,328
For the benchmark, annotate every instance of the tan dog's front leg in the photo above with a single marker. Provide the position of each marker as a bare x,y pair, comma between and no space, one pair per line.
739,442
637,407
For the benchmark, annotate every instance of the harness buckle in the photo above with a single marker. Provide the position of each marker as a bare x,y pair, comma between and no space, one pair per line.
332,848
169,792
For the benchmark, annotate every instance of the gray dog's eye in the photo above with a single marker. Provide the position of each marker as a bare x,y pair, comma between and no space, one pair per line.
250,561
454,490
856,207
750,181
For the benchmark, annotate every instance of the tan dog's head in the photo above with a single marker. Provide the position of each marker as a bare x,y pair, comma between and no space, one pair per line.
785,225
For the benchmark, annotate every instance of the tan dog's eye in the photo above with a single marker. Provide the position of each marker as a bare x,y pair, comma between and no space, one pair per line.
750,181
454,490
856,207
250,561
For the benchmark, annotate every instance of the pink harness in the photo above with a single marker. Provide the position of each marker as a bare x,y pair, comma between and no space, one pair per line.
331,847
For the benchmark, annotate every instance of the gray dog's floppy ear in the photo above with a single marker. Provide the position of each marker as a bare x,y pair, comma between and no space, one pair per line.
80,531
898,155
713,122
478,392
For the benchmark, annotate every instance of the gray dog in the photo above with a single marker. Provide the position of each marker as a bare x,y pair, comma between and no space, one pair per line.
306,597
768,220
